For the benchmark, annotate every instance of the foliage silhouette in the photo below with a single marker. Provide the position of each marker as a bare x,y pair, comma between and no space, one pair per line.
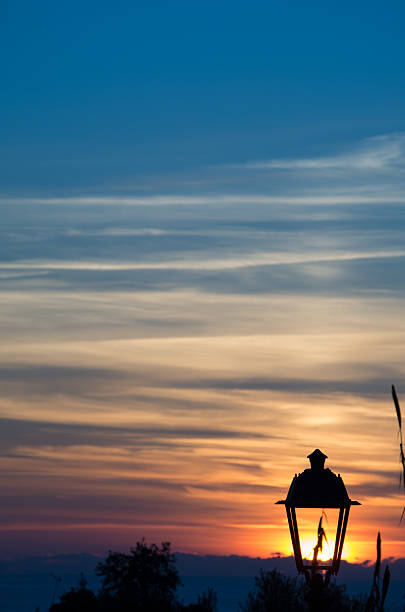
207,602
145,580
274,592
81,599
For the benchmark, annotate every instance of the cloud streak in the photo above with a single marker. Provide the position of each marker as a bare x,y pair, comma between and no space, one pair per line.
382,153
257,259
228,200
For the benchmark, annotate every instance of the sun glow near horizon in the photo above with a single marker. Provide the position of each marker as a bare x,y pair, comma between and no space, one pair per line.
176,402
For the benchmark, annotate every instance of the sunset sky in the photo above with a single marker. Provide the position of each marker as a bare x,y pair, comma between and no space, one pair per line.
202,266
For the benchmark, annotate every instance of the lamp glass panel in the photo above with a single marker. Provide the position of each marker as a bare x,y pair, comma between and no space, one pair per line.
308,521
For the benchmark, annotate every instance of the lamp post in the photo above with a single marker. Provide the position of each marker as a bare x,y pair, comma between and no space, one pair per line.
317,487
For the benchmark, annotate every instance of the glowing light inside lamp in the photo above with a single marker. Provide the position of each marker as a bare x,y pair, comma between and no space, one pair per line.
307,548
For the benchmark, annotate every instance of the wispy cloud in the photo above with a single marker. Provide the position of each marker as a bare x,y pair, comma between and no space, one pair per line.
257,259
381,153
315,198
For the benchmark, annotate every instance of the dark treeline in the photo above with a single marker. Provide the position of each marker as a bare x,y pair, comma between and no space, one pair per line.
147,580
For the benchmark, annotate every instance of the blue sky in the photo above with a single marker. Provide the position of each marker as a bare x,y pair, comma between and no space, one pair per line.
202,270
96,95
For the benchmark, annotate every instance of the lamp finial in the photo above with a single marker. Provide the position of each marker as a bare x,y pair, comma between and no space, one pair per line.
317,459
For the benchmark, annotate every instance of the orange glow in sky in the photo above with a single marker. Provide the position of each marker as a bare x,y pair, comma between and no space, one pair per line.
169,361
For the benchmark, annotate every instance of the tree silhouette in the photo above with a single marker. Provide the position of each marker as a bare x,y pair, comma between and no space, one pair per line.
144,580
81,599
274,592
207,602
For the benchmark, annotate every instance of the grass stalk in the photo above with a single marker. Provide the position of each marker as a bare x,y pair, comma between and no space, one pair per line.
401,444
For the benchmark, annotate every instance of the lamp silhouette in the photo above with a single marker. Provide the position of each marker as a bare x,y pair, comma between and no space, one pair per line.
317,487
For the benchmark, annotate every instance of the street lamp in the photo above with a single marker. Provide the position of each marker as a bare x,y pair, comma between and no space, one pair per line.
318,487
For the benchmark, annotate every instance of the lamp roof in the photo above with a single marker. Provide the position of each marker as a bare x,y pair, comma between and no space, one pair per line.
317,487
317,454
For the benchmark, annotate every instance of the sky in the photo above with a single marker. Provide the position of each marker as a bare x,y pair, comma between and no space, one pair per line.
202,271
